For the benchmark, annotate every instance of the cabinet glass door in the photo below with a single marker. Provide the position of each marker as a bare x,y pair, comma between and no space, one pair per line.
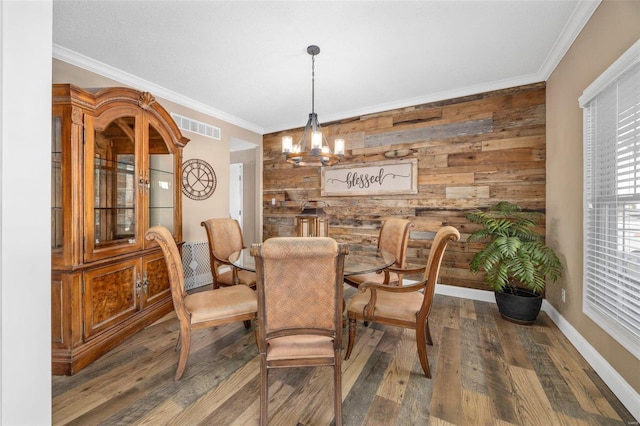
56,185
161,182
114,186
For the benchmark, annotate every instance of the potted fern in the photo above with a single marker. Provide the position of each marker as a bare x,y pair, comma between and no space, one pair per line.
515,259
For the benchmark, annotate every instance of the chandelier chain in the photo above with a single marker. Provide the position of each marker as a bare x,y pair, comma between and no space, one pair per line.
313,83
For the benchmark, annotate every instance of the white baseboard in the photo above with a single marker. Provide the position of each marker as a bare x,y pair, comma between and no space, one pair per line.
465,293
623,391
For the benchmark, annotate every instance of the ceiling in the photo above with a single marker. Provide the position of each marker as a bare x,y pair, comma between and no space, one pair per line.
246,62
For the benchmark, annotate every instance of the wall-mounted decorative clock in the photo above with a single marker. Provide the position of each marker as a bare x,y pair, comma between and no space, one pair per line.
198,179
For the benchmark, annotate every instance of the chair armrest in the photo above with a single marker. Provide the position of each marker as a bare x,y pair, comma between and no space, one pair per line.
223,261
369,309
406,271
373,286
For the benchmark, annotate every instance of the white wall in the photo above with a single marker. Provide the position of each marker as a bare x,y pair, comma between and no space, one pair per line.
25,228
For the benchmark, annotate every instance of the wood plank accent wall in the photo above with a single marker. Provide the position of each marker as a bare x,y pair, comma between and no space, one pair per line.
472,152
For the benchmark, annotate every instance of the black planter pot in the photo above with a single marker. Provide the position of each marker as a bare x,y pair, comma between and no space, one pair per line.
521,308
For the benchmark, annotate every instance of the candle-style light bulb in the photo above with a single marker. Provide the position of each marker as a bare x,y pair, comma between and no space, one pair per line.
316,140
287,144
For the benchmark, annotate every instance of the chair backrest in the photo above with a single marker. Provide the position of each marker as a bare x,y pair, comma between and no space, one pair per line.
299,284
394,236
432,270
225,238
174,267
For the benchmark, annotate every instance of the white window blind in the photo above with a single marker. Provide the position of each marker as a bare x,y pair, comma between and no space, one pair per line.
611,107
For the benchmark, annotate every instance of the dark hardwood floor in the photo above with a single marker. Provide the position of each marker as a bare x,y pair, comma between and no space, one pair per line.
486,371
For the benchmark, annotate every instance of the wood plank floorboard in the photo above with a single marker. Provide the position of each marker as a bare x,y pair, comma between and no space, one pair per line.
486,371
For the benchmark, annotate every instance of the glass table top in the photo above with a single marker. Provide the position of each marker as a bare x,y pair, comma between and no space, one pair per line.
360,260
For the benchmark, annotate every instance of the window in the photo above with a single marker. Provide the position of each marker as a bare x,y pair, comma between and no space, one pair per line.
611,107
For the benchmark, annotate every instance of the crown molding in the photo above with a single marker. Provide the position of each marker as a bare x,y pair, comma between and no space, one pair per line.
130,80
576,23
572,29
434,97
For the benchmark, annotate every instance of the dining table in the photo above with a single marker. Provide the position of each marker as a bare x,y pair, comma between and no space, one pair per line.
358,261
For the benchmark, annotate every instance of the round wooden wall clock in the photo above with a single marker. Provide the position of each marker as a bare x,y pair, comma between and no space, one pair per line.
198,179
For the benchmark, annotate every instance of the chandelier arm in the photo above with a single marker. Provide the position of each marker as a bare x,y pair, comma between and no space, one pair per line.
302,143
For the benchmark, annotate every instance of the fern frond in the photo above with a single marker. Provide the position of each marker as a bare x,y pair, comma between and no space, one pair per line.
514,250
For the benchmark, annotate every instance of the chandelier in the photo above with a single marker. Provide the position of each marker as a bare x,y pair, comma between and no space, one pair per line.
312,149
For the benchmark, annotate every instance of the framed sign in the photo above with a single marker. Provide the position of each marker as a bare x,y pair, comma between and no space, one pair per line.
377,178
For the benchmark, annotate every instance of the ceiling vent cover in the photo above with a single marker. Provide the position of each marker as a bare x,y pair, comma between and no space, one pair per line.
195,126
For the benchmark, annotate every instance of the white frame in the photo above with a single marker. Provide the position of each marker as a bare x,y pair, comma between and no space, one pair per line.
375,178
625,337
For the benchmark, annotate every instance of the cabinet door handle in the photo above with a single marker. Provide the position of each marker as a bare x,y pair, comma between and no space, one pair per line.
141,184
145,283
138,285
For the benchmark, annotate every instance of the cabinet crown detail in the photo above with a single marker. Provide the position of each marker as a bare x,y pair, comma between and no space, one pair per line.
146,100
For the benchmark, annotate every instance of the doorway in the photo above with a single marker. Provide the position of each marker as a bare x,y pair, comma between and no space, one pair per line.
235,192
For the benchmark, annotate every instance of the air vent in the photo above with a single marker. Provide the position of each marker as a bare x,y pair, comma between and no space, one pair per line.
196,264
195,126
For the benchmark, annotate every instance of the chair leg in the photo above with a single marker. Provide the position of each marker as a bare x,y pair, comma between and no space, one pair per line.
421,340
264,386
178,341
352,337
185,344
337,383
429,339
247,324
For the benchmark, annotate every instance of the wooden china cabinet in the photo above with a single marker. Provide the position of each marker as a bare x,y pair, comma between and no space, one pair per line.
116,157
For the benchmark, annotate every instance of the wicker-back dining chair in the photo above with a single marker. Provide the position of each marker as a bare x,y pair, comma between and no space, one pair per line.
393,238
225,237
203,309
300,304
403,306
